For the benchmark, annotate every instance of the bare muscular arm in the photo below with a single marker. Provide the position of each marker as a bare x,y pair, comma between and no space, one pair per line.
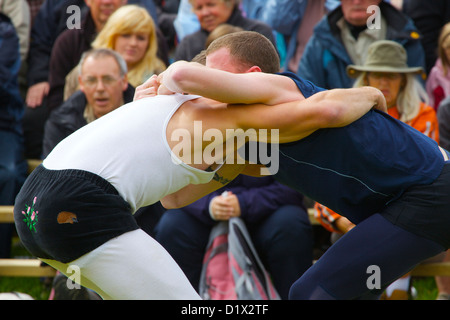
297,119
231,88
193,192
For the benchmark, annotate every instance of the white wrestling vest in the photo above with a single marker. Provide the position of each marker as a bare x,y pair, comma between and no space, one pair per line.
128,148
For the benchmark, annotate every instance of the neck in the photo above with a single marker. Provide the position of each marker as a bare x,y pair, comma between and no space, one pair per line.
356,30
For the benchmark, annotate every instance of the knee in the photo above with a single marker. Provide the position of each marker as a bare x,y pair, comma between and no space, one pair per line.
12,173
9,184
7,174
304,291
169,224
292,220
288,232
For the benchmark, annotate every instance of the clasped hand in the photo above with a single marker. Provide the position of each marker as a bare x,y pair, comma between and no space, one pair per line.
151,87
223,208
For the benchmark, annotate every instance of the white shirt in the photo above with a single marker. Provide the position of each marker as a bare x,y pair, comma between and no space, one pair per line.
128,148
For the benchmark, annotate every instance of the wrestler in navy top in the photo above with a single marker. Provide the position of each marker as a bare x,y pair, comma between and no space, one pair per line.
366,166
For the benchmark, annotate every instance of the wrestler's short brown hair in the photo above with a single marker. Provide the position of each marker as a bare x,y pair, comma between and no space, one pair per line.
249,48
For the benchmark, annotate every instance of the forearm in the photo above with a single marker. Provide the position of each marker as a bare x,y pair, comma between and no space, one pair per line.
351,104
192,192
231,88
298,119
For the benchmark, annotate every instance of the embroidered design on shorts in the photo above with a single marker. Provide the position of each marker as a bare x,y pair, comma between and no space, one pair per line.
66,217
31,216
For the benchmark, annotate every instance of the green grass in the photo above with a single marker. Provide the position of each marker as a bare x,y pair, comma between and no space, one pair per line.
38,288
426,288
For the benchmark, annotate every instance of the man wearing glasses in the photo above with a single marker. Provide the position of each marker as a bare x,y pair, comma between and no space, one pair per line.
103,88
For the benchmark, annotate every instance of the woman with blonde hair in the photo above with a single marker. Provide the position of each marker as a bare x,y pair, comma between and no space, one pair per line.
438,83
131,32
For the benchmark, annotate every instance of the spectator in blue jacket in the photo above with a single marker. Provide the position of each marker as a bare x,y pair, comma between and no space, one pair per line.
274,215
295,21
342,37
13,167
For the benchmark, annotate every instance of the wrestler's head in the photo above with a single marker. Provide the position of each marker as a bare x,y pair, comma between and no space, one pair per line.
243,51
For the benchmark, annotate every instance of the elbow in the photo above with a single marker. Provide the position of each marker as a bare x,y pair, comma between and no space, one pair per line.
181,78
178,75
170,202
166,205
175,81
331,115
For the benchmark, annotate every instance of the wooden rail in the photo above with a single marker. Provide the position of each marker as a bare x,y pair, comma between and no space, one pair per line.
6,214
25,268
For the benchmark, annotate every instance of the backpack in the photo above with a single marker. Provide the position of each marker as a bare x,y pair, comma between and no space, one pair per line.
231,267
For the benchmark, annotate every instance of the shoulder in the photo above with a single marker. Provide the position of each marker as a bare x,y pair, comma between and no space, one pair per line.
67,39
190,45
128,95
74,105
197,36
399,22
425,117
427,110
69,36
306,87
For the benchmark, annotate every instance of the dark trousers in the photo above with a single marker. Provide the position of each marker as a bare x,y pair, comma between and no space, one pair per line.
362,263
13,170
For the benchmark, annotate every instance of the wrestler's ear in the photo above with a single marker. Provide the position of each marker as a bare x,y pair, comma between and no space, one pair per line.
254,69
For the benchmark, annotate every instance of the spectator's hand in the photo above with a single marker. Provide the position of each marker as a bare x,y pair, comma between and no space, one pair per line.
36,94
223,208
343,224
148,89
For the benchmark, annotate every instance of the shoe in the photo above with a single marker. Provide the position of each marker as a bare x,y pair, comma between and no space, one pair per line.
443,296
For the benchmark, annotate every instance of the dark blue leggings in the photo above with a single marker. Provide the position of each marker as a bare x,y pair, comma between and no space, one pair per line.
342,272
